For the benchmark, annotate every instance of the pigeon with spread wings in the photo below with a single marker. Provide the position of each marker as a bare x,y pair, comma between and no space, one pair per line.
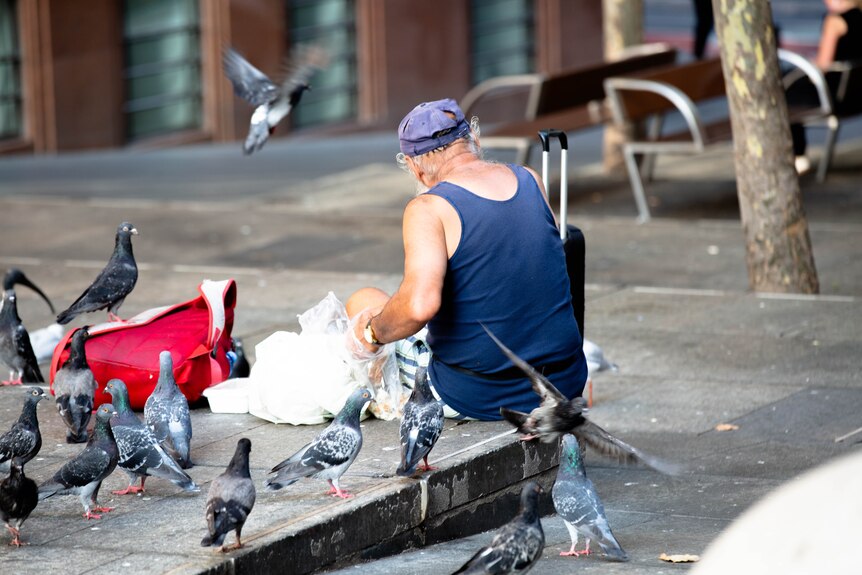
557,414
271,103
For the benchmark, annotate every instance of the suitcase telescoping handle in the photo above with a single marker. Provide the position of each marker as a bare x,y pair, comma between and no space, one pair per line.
545,136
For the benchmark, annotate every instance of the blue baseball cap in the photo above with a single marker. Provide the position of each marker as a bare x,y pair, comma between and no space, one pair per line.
429,126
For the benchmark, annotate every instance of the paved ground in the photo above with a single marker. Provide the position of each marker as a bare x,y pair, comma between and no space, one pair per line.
668,301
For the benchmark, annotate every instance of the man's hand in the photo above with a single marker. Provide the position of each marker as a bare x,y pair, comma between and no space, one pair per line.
355,340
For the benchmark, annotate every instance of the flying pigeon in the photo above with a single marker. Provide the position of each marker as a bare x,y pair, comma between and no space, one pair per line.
330,454
75,389
271,103
18,498
140,452
167,413
83,475
517,545
16,350
24,439
113,283
230,500
579,506
557,415
14,277
421,425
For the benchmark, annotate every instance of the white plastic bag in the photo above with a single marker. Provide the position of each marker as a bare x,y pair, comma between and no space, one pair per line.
305,378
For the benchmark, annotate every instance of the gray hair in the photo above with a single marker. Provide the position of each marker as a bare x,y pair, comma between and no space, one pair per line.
429,161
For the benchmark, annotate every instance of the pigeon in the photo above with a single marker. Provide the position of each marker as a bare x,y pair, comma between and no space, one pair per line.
421,425
271,103
113,283
517,546
330,453
557,415
18,498
16,351
75,389
596,360
230,500
14,277
579,506
140,452
167,413
83,475
239,366
24,439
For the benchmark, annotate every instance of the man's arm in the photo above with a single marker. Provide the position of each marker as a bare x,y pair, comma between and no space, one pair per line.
418,297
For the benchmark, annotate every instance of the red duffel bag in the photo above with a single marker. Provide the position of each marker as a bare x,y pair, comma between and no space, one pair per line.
197,333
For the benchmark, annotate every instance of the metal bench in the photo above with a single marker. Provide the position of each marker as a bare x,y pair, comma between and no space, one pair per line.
653,95
570,100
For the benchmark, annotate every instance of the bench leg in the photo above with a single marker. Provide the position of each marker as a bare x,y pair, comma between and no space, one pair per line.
637,185
828,148
654,127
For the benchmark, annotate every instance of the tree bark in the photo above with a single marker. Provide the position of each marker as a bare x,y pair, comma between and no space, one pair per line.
622,27
778,247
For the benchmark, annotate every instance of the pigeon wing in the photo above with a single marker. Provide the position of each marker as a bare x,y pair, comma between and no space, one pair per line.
157,415
110,287
616,448
249,83
336,446
17,441
141,454
92,464
304,62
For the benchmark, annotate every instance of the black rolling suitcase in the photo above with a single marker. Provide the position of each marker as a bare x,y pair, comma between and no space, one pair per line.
572,237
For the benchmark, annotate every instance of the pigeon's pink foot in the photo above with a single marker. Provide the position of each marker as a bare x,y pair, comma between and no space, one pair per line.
16,381
101,509
17,542
130,489
333,490
528,437
90,515
589,393
425,466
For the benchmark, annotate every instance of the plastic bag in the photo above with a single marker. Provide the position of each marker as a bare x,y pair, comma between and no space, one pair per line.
305,378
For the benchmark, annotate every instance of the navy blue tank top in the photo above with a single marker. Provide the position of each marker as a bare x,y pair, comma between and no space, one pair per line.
509,273
849,46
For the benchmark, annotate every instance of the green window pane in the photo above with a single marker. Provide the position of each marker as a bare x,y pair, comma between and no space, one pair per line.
163,74
10,75
501,32
332,24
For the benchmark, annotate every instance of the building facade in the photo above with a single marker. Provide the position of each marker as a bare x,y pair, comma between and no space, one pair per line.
88,74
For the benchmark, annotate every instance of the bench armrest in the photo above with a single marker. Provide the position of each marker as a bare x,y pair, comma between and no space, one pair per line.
615,88
499,86
803,67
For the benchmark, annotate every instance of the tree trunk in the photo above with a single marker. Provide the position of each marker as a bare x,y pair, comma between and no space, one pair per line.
622,27
778,247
